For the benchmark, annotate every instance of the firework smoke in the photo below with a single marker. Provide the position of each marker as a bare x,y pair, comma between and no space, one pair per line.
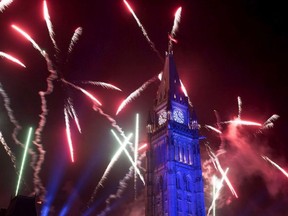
8,150
37,164
242,153
94,99
11,116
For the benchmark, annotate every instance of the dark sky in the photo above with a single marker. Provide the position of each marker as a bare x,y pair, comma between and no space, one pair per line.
225,49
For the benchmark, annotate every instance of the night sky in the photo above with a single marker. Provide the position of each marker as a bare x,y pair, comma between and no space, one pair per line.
225,49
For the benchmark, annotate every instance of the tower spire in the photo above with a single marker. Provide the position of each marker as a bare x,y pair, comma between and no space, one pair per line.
173,155
170,86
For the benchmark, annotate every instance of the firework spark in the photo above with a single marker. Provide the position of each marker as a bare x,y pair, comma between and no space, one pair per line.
219,167
68,134
49,24
8,150
185,93
29,38
136,93
174,28
213,128
102,84
11,58
75,38
269,123
216,185
94,99
275,165
143,30
4,4
238,121
70,109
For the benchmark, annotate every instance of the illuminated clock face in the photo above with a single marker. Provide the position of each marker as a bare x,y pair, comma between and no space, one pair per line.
162,118
178,116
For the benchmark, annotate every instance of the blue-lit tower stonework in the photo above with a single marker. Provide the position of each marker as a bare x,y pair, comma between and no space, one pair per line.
174,185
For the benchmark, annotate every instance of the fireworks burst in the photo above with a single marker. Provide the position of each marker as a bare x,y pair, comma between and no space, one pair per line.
238,151
69,110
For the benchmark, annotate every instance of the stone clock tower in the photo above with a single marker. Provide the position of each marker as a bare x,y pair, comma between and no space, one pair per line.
174,185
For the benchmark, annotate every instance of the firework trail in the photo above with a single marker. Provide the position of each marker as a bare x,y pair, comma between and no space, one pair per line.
49,24
121,188
28,37
74,39
8,150
136,93
108,169
174,28
70,109
95,100
102,84
143,30
275,165
4,4
68,133
11,58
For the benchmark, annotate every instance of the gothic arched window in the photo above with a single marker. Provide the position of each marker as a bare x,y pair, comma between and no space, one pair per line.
178,181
